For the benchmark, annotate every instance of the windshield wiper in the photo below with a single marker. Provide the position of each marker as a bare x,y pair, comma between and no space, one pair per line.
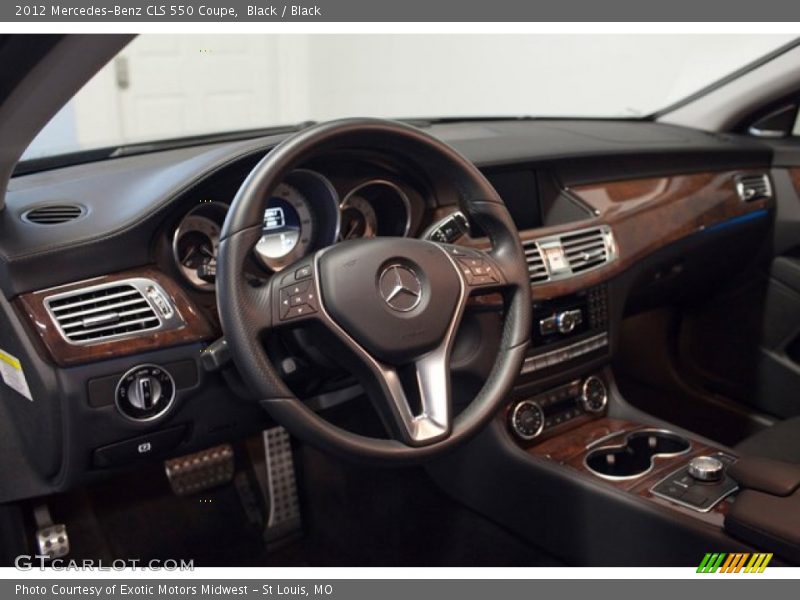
97,154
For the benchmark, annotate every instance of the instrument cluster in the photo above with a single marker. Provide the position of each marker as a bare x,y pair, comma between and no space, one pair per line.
304,213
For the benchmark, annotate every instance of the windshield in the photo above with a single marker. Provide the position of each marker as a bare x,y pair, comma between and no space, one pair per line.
172,86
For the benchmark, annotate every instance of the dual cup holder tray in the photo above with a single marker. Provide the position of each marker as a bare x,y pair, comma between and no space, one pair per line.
633,455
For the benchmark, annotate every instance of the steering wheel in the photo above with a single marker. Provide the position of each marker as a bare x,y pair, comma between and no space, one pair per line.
392,304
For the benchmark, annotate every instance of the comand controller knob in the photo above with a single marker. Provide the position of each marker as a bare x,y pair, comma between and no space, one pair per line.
706,468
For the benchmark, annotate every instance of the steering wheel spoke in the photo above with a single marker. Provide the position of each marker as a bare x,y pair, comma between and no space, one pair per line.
431,382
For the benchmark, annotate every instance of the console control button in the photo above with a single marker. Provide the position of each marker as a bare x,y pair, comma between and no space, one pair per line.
548,325
687,487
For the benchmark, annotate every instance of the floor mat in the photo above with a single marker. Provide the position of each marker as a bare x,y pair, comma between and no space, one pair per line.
138,517
360,516
352,516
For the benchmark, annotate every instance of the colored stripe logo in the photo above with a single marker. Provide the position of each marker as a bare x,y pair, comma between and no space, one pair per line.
738,562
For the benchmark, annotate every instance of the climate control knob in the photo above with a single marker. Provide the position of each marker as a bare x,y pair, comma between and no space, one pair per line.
594,394
527,419
145,393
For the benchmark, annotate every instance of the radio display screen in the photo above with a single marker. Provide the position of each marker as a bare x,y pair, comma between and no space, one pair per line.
520,192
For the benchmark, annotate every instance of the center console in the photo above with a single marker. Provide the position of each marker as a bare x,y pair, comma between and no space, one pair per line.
561,411
667,468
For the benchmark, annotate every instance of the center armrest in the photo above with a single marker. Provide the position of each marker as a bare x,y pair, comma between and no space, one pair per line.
766,475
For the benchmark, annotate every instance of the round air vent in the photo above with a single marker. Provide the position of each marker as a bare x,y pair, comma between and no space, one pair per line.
53,214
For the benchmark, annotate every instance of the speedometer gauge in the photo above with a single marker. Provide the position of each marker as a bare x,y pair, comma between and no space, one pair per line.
288,228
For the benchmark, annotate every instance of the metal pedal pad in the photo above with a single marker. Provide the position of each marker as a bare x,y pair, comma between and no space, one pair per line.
200,471
51,539
284,506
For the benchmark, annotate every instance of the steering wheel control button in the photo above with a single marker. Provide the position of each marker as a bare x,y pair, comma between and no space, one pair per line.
303,272
477,271
706,468
298,300
594,394
527,420
145,392
400,287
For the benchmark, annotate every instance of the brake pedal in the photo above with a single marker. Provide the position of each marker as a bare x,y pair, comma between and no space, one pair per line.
51,538
283,519
200,471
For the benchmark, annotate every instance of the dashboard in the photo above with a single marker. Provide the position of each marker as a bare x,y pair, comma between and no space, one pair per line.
307,211
616,207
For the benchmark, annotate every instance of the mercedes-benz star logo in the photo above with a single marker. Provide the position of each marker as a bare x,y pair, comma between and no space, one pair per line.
400,288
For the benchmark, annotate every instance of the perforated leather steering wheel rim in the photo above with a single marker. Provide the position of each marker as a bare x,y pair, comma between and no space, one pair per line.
246,313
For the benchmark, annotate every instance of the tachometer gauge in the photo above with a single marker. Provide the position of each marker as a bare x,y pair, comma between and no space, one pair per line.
288,228
195,247
358,219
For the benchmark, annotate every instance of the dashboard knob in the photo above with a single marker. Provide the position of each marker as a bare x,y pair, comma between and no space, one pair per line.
594,394
706,468
566,321
144,393
527,419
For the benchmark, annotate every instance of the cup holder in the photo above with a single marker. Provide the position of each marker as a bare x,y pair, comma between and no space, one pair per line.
634,455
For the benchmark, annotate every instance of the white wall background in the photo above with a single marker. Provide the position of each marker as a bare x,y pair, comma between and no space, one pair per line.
182,85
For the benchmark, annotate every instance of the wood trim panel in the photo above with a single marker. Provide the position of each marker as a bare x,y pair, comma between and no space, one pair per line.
646,215
794,175
569,450
196,326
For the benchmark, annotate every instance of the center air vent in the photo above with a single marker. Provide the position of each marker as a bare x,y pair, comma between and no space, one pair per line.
536,267
586,249
53,214
120,309
753,187
561,256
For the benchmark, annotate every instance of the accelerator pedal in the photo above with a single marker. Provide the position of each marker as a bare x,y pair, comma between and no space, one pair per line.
283,515
51,539
200,471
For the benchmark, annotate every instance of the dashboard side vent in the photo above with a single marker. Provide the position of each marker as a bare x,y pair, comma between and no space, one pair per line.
115,310
753,187
54,214
536,267
586,249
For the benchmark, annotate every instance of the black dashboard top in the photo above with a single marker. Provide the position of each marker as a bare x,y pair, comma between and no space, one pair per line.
127,199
